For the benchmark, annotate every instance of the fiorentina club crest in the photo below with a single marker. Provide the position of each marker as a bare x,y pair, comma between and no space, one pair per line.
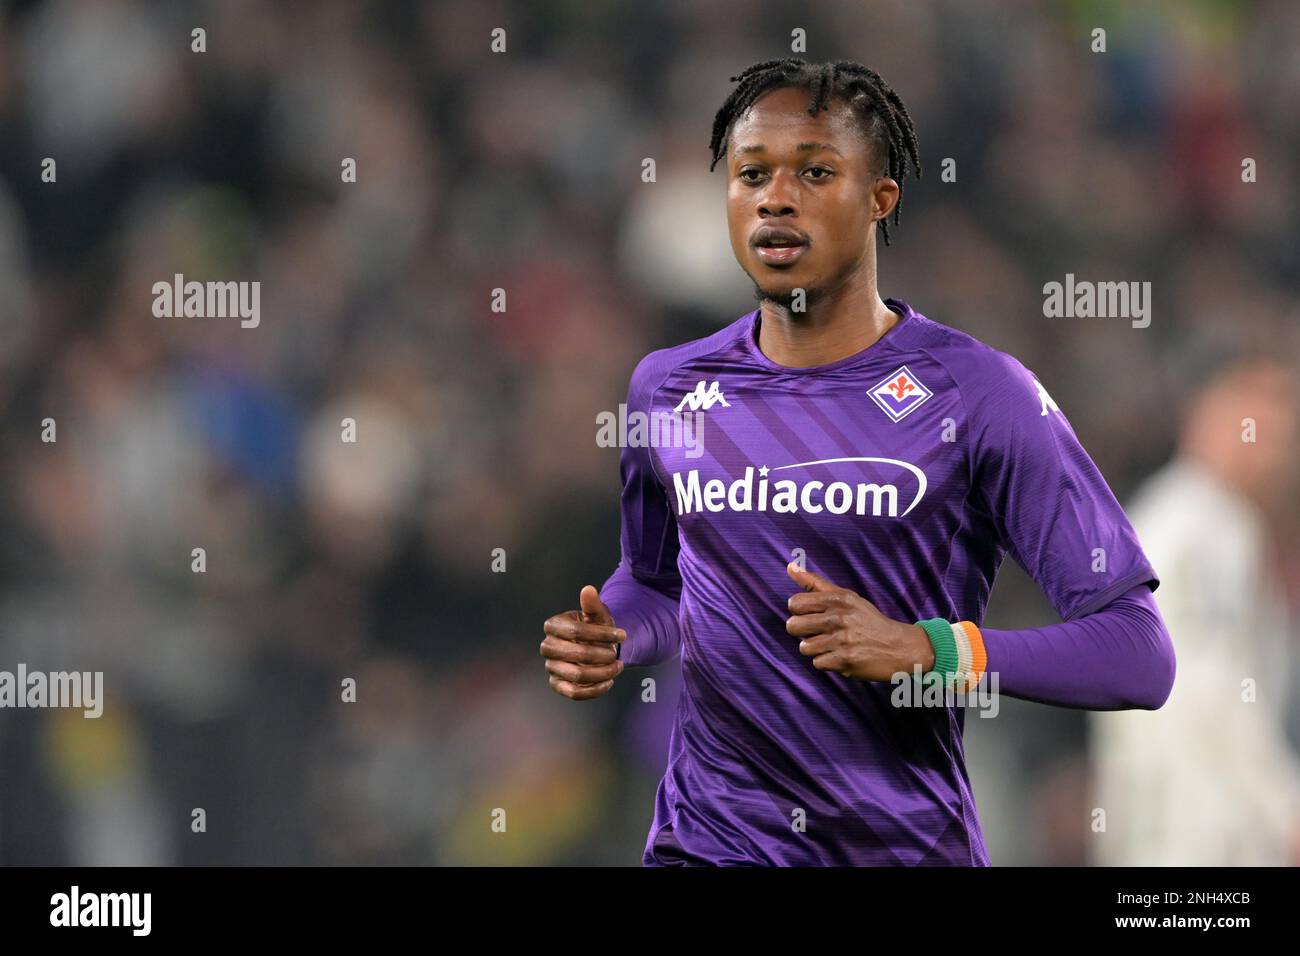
900,393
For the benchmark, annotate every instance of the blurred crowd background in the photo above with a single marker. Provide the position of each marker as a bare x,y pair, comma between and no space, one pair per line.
476,429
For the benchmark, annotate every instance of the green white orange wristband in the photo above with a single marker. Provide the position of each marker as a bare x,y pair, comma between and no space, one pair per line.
959,656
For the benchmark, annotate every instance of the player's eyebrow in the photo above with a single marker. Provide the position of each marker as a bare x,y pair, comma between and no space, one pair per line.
813,147
802,148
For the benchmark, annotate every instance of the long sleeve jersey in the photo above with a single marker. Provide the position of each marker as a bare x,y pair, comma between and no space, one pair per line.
906,473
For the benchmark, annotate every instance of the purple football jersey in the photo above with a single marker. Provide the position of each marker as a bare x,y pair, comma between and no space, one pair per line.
905,472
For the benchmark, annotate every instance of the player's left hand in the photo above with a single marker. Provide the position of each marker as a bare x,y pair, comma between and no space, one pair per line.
844,632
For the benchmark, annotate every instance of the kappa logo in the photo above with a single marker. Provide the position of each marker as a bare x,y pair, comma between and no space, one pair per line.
900,394
701,399
1047,402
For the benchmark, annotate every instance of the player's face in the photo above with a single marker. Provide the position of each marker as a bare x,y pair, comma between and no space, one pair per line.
802,195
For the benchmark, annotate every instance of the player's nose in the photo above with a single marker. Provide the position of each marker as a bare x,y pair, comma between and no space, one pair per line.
778,199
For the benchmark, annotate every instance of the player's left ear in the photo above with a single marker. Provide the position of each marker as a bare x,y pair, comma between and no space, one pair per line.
884,197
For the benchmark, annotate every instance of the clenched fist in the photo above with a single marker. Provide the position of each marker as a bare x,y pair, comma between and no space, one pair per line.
581,648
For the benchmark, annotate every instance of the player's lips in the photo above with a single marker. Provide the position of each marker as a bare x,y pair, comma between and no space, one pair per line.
779,245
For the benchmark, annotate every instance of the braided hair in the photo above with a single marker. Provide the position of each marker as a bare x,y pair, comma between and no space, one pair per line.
884,118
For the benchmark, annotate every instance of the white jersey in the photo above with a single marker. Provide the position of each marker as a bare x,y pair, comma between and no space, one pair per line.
1210,779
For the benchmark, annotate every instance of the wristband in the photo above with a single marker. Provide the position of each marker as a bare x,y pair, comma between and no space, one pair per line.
959,655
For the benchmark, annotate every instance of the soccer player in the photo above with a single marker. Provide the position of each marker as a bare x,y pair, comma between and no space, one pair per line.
861,472
1224,598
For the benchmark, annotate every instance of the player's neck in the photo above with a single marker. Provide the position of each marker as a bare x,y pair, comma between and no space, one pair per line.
832,328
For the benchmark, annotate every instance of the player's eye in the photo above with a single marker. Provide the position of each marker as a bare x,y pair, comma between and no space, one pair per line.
744,174
826,173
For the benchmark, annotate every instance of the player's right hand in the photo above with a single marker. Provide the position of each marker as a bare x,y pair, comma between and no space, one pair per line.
580,648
